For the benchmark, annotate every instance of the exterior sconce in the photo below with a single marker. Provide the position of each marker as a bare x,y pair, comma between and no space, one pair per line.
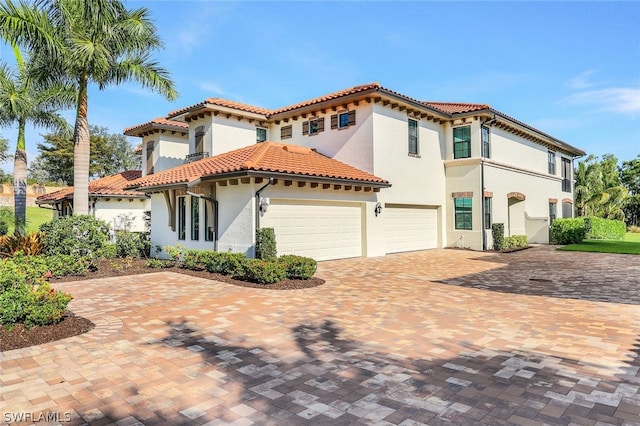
378,209
264,205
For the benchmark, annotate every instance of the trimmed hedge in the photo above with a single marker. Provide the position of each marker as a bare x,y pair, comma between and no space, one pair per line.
237,265
515,241
604,229
298,267
264,272
568,231
497,232
266,244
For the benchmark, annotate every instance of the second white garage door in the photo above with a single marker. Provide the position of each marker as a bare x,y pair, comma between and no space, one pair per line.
318,230
410,228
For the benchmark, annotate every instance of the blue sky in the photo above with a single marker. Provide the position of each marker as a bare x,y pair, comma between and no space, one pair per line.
570,69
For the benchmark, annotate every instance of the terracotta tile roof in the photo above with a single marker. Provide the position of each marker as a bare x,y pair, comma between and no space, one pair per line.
222,103
162,122
113,185
268,157
331,96
456,107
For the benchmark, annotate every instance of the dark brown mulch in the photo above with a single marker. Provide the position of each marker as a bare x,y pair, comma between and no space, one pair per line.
21,337
72,325
121,267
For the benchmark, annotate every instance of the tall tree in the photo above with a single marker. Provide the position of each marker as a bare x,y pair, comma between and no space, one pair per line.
598,191
630,177
110,153
88,41
22,100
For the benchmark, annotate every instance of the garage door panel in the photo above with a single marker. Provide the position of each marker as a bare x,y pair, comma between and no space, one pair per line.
410,228
319,230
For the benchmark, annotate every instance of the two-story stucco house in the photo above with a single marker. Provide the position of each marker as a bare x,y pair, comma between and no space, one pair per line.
365,171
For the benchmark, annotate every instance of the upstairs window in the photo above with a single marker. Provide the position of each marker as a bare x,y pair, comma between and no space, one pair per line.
413,137
313,127
286,132
486,142
552,162
462,142
150,145
463,213
566,175
343,120
261,134
199,146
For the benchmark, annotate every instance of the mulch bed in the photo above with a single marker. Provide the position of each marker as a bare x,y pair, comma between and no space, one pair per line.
21,337
72,325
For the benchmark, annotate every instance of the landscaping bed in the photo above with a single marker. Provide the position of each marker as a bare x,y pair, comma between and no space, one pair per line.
20,336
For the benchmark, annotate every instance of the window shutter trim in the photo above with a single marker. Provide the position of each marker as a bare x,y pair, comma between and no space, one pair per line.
334,121
305,128
352,117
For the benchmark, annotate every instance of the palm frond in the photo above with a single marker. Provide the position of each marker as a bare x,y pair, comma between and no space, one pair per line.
147,73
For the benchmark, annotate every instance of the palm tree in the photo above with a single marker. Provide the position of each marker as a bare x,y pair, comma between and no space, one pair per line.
88,41
22,100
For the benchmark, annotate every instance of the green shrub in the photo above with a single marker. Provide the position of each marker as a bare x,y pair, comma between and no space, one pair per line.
193,259
44,305
159,264
298,267
216,262
62,265
175,252
515,241
4,227
12,303
108,251
604,229
224,263
29,300
131,244
266,244
568,231
79,235
264,272
497,232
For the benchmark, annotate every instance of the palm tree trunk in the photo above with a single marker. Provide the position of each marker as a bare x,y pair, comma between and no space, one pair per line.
81,152
20,181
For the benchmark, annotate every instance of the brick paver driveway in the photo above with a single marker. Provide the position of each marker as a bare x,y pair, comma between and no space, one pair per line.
434,337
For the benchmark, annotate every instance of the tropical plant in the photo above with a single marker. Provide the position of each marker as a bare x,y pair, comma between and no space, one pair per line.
598,189
630,177
24,99
87,41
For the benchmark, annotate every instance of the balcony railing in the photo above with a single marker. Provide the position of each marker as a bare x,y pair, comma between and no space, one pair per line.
566,185
190,158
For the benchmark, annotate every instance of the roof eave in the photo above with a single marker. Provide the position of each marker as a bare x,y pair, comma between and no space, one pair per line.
289,176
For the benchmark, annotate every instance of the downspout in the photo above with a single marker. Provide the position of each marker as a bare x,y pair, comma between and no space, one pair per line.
482,188
258,192
215,216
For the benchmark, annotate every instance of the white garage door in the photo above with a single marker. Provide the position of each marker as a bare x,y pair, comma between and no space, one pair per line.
318,230
410,228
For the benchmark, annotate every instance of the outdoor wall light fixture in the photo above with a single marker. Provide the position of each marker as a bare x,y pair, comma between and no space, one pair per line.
264,205
378,209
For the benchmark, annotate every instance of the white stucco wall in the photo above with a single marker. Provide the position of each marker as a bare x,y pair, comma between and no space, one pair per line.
416,180
169,151
113,211
351,145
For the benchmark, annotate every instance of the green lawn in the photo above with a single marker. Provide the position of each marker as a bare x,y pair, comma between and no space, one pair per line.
35,216
630,245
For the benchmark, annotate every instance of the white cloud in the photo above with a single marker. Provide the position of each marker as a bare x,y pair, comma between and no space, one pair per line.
619,100
581,81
